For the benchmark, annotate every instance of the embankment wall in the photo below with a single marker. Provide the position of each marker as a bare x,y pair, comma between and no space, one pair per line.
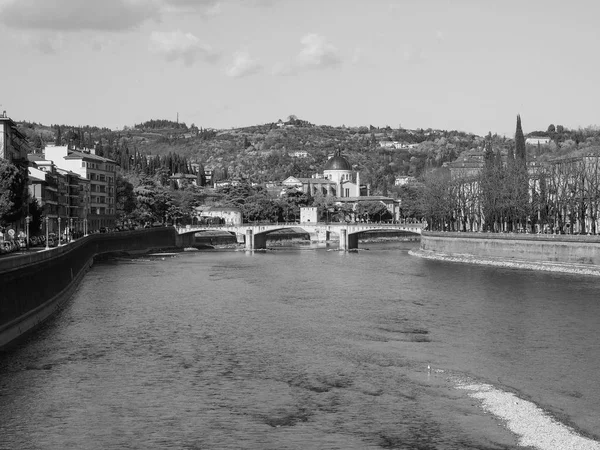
32,286
564,249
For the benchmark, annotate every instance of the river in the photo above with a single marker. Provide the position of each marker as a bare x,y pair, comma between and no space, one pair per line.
301,348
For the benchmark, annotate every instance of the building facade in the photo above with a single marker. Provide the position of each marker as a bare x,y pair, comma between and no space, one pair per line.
340,181
13,144
100,173
226,215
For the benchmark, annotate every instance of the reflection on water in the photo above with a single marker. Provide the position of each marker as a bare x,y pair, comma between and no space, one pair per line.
300,349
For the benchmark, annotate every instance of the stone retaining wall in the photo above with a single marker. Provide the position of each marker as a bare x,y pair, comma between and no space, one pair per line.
33,285
564,249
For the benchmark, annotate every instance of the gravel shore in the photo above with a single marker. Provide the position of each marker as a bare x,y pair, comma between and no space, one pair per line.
531,424
580,269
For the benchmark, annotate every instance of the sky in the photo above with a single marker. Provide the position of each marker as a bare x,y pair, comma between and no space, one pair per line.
468,65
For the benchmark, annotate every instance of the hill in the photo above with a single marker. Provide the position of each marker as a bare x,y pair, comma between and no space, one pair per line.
271,152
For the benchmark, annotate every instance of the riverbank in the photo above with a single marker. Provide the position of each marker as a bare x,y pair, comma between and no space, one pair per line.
579,269
577,254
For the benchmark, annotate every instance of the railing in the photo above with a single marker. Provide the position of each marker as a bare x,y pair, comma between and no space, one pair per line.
300,224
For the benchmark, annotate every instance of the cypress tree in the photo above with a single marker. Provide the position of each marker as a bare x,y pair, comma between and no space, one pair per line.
519,142
58,140
488,154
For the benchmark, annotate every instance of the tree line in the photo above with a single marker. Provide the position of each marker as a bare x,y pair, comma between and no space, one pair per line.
510,194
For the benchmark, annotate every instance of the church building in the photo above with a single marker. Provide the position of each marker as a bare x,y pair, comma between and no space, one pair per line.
338,180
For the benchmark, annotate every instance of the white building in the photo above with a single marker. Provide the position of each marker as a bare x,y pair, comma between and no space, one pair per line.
228,215
101,172
533,140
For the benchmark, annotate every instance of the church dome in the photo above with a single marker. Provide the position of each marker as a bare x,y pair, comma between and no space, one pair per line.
338,162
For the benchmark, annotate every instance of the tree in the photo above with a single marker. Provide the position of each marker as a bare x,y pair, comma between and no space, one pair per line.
126,200
201,176
35,212
58,140
373,211
13,192
520,153
437,200
551,128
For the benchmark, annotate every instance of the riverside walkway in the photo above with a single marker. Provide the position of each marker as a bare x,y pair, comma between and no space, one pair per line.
255,235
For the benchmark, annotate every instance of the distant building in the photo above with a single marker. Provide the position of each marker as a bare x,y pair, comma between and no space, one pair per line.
337,180
299,154
308,214
228,215
13,144
396,145
533,140
340,181
180,179
401,180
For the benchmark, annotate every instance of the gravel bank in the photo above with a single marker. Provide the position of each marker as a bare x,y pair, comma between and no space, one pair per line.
580,269
531,424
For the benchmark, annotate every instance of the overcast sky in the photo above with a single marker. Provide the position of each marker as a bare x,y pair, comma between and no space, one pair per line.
471,65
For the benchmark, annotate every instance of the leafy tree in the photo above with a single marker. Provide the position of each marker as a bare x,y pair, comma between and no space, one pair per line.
13,192
126,198
373,211
437,200
35,213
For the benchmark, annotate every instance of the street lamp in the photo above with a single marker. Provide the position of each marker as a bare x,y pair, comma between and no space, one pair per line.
27,220
47,242
58,231
71,229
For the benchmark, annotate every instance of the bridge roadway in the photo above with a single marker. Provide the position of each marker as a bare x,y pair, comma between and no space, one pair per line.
255,235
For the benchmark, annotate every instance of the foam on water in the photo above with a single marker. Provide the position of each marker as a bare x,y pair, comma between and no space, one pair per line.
534,427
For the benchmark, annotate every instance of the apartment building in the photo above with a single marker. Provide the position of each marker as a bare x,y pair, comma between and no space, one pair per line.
100,210
13,144
60,193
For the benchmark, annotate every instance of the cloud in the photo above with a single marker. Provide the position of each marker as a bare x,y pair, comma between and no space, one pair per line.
316,53
243,65
202,7
176,45
76,15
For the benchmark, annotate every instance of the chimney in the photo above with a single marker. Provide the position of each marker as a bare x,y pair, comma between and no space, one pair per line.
358,183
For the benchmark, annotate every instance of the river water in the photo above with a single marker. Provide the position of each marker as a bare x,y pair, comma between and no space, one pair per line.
301,348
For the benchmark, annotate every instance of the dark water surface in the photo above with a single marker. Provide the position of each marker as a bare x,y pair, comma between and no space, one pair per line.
297,349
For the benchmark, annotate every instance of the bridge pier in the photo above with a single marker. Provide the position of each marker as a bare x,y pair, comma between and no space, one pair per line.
185,240
343,245
352,241
255,241
348,241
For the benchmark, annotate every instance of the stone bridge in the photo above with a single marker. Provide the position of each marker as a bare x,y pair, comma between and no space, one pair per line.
255,235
